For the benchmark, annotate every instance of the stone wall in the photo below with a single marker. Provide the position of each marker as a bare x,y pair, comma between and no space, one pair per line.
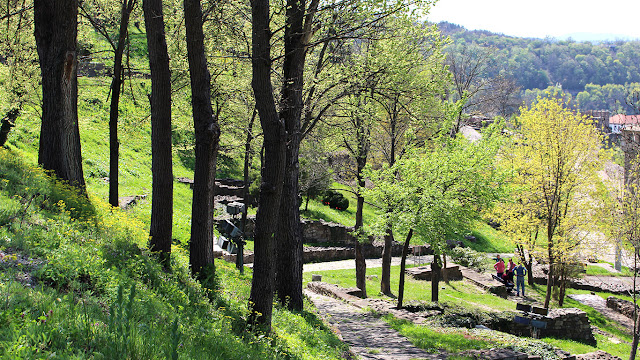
322,232
333,253
568,323
452,272
624,307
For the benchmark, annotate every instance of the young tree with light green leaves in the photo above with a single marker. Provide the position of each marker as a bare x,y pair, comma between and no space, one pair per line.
555,157
437,192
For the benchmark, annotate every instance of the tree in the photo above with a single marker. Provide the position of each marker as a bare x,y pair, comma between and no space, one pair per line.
207,134
116,85
304,30
437,192
18,50
413,79
273,166
161,162
56,33
469,66
556,157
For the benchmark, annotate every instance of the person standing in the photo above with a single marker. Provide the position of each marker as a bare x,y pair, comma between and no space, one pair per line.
499,266
510,267
520,272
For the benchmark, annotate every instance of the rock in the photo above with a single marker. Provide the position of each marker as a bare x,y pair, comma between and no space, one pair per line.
624,307
598,355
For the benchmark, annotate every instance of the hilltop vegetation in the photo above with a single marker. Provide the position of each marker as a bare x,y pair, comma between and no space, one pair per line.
602,75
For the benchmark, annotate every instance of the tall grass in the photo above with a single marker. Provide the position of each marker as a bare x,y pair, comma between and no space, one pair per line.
76,284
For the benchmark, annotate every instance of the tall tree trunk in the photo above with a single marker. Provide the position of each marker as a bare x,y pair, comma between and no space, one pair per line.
116,85
207,133
289,249
261,298
547,298
527,262
245,171
385,281
361,264
245,191
7,122
403,267
636,316
56,30
161,165
562,285
435,278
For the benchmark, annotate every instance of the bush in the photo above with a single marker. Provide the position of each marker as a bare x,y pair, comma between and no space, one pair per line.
467,257
335,200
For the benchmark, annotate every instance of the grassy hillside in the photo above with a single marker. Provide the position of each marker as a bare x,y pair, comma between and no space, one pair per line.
76,282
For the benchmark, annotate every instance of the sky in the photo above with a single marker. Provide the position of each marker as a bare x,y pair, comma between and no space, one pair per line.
542,18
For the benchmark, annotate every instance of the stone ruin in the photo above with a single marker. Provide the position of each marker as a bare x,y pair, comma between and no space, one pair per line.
624,307
566,323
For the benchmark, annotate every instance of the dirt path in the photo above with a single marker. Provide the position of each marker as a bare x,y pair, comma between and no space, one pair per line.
368,336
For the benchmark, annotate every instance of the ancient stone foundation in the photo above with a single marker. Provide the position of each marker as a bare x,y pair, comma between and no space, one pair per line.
569,323
624,307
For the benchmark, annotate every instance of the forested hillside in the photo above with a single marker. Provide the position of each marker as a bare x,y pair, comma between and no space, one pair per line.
598,75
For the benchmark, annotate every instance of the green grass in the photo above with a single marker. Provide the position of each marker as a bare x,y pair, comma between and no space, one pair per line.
613,347
453,340
456,293
435,341
77,282
596,270
488,239
318,211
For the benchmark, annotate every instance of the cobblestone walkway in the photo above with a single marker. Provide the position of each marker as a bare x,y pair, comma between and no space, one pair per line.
369,337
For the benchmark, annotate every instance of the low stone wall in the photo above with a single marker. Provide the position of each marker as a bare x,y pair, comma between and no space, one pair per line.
333,253
452,272
568,323
622,306
323,232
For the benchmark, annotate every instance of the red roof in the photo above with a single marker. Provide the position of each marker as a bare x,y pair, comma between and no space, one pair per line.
624,119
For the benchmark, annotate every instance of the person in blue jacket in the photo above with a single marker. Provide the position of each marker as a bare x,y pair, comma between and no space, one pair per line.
520,271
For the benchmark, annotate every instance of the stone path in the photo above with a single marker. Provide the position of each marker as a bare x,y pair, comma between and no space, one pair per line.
369,337
600,305
351,264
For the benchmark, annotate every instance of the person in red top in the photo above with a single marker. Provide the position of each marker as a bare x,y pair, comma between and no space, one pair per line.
510,268
499,266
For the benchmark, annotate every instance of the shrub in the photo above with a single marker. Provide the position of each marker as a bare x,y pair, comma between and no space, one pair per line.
467,257
335,200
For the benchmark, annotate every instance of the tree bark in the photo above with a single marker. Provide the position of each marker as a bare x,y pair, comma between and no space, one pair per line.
261,298
547,298
116,85
385,281
361,264
403,267
7,123
245,172
435,278
207,134
161,165
56,30
289,249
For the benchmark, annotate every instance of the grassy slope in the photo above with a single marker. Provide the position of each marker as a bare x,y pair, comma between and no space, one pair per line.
66,276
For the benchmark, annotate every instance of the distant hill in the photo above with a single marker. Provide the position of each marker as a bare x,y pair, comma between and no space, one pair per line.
539,63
